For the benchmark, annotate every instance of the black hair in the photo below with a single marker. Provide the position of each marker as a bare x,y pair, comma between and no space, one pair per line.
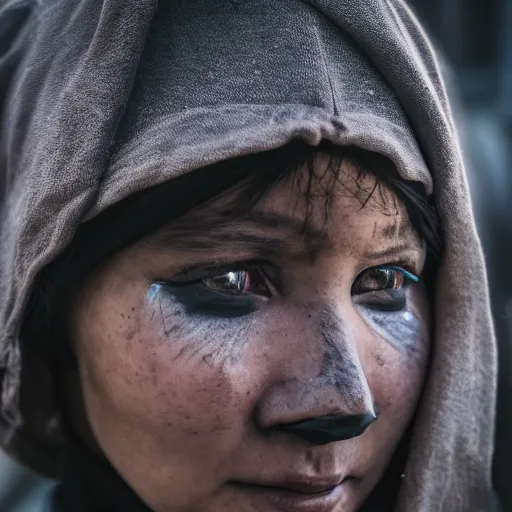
254,175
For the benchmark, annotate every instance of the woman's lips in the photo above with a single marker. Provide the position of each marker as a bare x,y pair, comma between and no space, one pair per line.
300,496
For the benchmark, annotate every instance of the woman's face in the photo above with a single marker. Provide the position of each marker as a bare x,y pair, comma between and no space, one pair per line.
199,346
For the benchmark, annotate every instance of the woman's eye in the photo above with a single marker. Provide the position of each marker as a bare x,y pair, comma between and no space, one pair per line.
383,288
381,279
229,291
239,282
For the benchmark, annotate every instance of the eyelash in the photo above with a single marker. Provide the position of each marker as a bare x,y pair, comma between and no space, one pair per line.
385,279
191,290
402,268
198,275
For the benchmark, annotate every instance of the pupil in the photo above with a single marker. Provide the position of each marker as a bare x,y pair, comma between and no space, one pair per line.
231,281
382,279
386,279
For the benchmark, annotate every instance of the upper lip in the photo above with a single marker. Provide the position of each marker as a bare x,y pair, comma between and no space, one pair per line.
304,485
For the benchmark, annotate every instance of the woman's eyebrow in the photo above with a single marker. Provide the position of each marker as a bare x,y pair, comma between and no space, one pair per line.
303,228
266,233
391,252
397,240
253,230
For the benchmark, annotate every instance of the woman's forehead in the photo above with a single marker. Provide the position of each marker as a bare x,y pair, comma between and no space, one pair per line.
341,202
349,212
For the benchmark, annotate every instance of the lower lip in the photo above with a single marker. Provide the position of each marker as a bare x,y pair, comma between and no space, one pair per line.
286,500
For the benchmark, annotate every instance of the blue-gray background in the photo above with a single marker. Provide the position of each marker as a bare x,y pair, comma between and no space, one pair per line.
474,38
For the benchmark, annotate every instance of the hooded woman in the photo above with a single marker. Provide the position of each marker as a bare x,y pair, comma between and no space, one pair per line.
238,265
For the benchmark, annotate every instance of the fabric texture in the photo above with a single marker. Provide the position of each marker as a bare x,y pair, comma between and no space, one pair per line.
100,99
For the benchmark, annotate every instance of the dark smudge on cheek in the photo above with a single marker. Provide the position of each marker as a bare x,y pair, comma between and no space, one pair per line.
214,340
197,299
340,366
404,329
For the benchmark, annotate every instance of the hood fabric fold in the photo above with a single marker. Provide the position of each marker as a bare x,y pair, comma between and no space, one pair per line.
102,99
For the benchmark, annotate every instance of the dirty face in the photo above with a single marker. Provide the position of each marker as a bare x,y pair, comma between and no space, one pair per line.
259,363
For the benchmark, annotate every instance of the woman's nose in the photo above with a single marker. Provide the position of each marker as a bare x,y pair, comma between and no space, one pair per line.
317,411
333,405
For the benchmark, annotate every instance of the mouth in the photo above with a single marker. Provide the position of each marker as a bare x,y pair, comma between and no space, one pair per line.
300,495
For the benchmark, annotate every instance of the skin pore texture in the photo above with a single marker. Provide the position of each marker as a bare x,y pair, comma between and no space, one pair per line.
201,344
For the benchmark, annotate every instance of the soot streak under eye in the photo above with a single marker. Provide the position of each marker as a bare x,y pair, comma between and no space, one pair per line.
402,329
340,368
217,339
198,299
387,310
227,291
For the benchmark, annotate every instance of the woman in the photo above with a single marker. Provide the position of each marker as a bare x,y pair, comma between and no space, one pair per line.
220,242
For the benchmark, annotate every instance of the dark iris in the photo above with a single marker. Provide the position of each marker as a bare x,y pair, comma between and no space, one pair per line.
232,291
230,282
239,282
222,292
378,279
383,288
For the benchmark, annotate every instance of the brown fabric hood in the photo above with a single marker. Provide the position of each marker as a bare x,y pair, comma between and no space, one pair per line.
101,99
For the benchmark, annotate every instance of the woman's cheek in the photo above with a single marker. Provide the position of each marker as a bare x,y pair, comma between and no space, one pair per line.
195,337
406,330
398,353
147,358
166,382
190,367
403,330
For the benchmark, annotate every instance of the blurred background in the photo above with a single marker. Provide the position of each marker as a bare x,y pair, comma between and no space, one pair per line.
474,41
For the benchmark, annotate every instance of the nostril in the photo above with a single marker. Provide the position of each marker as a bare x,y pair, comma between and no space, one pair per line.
328,429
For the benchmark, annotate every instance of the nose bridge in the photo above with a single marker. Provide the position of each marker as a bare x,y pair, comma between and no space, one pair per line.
339,392
341,366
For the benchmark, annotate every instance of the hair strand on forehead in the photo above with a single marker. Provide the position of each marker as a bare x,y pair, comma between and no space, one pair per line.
252,177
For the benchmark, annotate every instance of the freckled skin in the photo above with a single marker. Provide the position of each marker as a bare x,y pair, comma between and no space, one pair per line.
184,404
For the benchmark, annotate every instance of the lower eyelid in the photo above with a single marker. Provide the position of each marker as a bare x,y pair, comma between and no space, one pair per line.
394,299
377,294
199,300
